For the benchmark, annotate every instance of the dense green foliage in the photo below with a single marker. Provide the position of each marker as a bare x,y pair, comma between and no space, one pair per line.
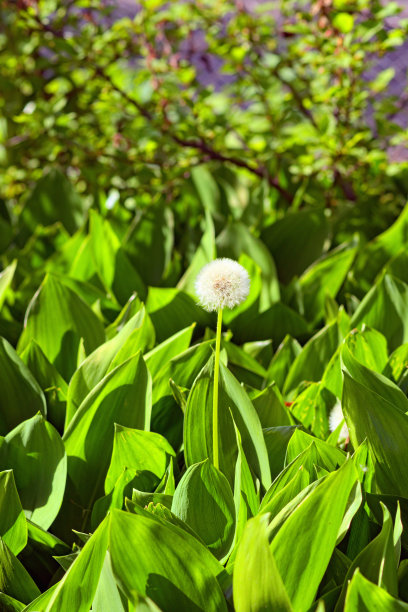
106,414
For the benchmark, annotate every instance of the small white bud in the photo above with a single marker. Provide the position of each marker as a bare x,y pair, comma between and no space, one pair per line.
335,418
223,283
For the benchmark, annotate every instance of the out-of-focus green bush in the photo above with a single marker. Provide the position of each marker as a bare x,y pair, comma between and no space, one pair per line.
292,120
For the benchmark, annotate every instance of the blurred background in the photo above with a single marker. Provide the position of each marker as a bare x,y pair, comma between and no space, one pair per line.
251,108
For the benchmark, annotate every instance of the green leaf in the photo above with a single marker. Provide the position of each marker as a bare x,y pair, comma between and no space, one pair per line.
172,310
292,544
124,397
21,396
376,561
330,457
204,253
15,581
167,417
76,590
198,425
282,360
310,364
138,450
257,584
53,385
107,597
296,241
167,350
376,253
364,596
104,359
203,499
36,453
13,525
385,307
374,409
367,345
276,441
149,242
324,278
9,604
246,498
54,199
272,324
271,409
57,319
112,264
182,577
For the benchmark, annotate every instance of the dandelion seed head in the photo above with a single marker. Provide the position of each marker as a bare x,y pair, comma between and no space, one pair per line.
335,418
222,283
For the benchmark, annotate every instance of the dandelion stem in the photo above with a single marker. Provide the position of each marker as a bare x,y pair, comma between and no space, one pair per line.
215,392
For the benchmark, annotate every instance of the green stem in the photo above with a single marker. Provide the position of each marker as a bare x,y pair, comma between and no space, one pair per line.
215,392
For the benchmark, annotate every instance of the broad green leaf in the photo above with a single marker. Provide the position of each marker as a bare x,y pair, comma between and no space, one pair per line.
198,425
244,367
57,319
312,408
15,581
367,345
171,310
123,397
182,577
100,361
203,499
282,360
54,199
167,417
376,253
13,525
149,242
296,241
272,324
76,590
204,253
271,409
324,278
293,544
385,307
246,498
167,350
376,561
138,450
374,409
364,596
112,263
107,596
36,453
53,385
21,396
329,456
310,364
9,604
303,464
257,584
276,441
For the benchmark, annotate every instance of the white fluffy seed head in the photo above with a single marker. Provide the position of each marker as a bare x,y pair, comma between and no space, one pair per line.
223,283
335,418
